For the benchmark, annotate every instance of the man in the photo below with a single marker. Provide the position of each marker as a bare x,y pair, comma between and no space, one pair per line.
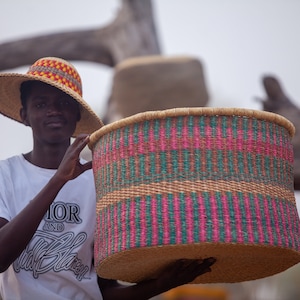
47,196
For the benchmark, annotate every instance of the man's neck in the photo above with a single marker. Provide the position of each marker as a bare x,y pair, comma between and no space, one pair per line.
46,157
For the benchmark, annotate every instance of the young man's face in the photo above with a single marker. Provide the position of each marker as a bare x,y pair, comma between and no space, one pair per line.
50,113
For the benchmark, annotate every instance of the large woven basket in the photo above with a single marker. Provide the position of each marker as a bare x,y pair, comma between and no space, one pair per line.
195,183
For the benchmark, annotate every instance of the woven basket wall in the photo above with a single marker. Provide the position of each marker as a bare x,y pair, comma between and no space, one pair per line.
195,183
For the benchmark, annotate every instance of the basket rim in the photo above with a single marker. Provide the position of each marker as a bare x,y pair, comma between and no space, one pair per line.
193,111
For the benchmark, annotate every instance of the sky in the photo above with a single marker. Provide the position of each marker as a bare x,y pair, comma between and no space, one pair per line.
237,41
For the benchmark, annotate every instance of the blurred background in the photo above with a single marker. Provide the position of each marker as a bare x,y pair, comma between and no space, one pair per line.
237,42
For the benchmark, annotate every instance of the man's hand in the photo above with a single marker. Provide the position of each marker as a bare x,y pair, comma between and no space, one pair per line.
184,271
70,167
178,273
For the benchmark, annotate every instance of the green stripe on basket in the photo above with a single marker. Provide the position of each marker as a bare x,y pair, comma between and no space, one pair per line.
220,211
209,227
142,164
224,126
241,204
173,230
231,216
186,161
137,222
156,127
196,230
183,218
272,213
168,126
190,124
159,219
149,217
245,127
253,217
152,162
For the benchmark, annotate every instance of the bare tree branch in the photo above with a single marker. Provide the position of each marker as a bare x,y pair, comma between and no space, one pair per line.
131,34
278,102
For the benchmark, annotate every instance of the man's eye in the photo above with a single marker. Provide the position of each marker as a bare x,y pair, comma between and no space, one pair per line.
40,105
64,102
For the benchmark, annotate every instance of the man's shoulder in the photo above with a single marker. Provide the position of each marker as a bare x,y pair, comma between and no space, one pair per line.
11,161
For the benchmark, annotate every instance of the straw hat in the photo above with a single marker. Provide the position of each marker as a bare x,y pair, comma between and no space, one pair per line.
150,83
55,72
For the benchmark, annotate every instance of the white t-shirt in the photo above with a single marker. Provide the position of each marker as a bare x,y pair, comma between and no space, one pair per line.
57,263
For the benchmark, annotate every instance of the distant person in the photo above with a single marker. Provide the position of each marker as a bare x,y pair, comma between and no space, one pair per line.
48,198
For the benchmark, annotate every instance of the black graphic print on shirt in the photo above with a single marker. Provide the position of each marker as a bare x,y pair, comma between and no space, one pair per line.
52,250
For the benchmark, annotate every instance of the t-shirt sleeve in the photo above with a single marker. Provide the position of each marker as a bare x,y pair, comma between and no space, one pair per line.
4,192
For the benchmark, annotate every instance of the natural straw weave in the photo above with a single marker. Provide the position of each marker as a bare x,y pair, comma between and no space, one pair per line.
55,72
194,183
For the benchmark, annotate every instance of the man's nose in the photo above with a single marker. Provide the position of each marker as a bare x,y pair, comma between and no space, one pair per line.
54,108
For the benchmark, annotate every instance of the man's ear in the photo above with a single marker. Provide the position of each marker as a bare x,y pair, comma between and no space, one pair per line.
23,116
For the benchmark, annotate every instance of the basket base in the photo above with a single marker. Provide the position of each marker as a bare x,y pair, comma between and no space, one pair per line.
235,262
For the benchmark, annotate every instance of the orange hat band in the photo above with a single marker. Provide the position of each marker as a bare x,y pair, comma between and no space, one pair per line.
58,72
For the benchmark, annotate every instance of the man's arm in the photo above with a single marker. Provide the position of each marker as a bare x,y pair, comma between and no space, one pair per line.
16,234
180,272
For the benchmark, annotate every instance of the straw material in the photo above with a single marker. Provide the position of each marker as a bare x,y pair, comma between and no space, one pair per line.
55,72
160,82
194,183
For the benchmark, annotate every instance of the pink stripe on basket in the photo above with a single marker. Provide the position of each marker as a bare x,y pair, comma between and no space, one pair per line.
238,223
229,135
151,138
122,147
215,219
219,141
143,225
99,239
259,220
154,224
173,138
190,215
289,224
196,136
123,224
249,219
202,219
185,142
116,232
131,146
108,229
141,147
250,137
132,228
226,216
113,150
165,220
268,222
240,141
208,137
285,232
163,140
276,223
296,227
177,218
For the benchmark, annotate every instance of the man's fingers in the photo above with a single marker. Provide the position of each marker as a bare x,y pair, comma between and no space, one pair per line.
81,141
87,166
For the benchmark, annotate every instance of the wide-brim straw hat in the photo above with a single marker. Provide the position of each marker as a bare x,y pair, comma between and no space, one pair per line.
53,71
162,82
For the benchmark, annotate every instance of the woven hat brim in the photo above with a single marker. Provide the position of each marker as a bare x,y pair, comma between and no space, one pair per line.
10,101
